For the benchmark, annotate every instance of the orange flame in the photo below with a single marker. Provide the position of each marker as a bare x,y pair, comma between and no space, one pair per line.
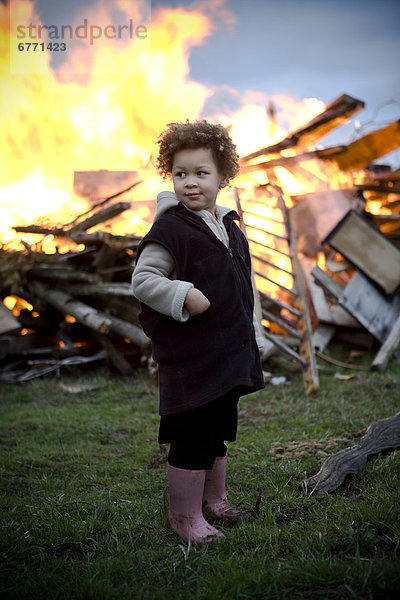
55,123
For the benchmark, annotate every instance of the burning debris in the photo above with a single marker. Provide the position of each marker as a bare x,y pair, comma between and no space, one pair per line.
74,307
340,213
310,217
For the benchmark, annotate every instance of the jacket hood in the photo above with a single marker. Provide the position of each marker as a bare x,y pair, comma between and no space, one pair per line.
165,201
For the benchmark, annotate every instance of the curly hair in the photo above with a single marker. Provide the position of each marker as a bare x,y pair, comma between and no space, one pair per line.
199,134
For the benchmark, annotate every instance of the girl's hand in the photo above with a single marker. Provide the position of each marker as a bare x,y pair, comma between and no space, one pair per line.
196,302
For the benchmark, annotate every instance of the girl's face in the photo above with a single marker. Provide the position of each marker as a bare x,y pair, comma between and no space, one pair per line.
196,178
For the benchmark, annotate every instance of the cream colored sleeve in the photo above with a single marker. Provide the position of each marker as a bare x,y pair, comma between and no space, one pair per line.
154,283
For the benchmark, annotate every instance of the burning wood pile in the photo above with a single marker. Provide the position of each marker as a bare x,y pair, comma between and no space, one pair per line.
75,307
337,211
324,232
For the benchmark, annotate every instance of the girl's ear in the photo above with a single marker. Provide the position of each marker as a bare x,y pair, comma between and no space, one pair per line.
224,182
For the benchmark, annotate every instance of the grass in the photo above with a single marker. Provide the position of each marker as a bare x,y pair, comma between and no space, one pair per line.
83,489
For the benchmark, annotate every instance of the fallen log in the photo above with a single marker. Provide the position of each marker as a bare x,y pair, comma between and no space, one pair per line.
67,304
64,273
100,289
130,331
381,435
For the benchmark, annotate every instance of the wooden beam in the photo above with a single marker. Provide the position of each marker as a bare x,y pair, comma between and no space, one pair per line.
373,145
310,371
269,299
332,287
336,113
286,349
281,323
269,248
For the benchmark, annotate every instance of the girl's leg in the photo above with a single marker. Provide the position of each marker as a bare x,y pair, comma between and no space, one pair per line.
186,475
215,502
185,506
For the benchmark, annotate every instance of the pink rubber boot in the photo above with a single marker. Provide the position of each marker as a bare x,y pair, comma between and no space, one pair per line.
185,513
215,503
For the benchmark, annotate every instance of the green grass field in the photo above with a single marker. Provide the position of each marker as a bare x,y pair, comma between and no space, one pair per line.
84,494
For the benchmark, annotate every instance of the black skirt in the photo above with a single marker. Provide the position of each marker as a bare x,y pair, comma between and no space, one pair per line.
213,422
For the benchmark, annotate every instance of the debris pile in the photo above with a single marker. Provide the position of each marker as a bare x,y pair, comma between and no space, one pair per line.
72,308
329,240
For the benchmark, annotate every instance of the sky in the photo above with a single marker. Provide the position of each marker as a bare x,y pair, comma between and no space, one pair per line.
302,48
308,48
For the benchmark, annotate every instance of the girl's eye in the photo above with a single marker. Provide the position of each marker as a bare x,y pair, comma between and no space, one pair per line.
180,174
201,173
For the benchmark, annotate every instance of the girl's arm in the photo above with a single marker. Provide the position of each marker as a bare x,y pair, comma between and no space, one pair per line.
153,283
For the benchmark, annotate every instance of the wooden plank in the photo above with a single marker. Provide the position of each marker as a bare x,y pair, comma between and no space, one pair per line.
370,307
322,336
8,322
332,287
266,247
101,216
388,348
269,299
264,261
281,323
283,287
306,349
61,273
315,215
329,314
285,348
366,247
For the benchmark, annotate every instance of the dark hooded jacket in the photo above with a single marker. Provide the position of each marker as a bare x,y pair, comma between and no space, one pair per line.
216,352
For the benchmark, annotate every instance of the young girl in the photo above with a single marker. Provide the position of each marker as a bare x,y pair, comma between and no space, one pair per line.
193,280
